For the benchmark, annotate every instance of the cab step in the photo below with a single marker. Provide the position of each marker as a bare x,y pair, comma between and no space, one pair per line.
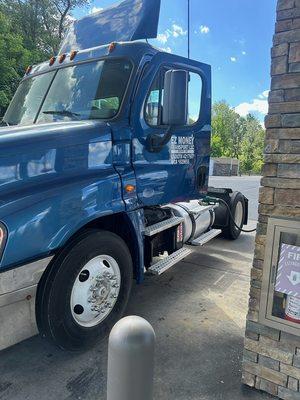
168,262
205,237
162,226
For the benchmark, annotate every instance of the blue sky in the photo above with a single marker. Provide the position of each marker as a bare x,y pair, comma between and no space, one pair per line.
234,36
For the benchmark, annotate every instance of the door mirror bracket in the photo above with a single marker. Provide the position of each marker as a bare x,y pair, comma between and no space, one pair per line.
156,142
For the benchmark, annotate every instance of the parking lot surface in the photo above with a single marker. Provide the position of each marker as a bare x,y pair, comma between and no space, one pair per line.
197,309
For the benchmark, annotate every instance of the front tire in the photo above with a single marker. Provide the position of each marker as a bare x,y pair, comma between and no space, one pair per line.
86,290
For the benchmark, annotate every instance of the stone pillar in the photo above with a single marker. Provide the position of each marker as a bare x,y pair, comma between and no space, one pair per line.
271,357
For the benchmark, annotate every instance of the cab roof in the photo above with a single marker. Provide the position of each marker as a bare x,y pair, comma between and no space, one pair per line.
133,51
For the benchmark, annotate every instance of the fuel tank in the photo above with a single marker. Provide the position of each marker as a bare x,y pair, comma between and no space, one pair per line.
197,218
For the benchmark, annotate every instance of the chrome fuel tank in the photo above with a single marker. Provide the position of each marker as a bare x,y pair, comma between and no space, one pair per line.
197,218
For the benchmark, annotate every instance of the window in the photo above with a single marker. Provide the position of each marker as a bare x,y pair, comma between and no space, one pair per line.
28,99
153,107
155,99
86,91
194,97
92,90
280,303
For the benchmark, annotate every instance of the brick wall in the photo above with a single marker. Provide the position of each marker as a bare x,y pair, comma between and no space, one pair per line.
271,357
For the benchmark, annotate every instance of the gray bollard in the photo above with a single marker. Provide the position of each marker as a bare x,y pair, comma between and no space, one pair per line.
131,360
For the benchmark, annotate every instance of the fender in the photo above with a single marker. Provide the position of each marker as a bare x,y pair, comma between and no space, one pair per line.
54,179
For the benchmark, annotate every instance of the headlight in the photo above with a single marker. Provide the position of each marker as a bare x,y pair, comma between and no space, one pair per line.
3,237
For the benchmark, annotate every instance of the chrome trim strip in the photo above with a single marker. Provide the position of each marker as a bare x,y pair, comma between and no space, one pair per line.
23,277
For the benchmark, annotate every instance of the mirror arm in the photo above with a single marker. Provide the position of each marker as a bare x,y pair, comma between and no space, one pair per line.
156,142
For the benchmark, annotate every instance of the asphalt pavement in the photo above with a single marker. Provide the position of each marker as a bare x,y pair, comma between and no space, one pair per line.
197,309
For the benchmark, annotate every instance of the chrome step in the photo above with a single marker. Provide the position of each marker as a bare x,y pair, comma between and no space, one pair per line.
162,226
163,265
205,237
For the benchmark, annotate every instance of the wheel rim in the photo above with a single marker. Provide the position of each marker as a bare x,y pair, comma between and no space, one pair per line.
95,291
238,215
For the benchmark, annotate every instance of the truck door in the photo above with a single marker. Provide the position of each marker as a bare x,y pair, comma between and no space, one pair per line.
178,171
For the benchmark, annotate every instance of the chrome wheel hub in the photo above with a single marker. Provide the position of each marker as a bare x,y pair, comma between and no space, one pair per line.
95,291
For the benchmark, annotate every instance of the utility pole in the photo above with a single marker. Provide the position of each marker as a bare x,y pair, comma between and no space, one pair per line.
189,38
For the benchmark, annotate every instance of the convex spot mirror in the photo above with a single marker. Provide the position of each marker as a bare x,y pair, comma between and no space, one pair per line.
175,103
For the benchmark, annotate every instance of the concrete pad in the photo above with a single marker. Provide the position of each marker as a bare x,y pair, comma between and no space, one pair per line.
198,311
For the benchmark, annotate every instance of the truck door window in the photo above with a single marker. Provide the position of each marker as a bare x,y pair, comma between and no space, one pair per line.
155,99
194,97
153,104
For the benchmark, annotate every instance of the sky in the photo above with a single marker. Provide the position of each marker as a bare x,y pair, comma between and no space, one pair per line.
233,36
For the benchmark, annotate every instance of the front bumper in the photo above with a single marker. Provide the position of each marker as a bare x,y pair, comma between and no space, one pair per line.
17,302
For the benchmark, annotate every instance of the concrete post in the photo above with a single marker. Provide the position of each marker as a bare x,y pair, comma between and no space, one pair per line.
131,360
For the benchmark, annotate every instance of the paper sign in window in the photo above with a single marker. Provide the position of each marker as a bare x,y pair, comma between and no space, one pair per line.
288,271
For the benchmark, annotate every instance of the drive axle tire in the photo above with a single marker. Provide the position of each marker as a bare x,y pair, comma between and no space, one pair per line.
238,209
85,291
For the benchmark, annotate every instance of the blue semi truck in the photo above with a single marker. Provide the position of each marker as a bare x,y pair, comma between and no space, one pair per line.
104,166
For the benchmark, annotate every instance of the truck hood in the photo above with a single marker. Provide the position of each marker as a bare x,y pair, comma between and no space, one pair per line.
37,133
37,154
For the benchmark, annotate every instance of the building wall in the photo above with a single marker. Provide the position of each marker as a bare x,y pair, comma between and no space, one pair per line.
271,357
224,166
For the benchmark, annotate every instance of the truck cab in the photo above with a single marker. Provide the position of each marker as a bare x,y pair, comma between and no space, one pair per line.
103,177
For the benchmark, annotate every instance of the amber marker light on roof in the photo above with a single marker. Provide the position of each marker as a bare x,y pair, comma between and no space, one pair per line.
62,58
111,47
73,54
52,61
28,69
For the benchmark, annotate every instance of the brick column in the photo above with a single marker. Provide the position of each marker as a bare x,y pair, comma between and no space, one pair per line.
271,357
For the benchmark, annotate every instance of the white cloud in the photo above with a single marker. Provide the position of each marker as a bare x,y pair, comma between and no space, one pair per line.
177,30
244,53
163,37
204,29
264,95
259,105
233,59
95,9
166,49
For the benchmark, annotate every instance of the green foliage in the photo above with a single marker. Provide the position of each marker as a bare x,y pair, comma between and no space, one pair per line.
14,57
30,32
238,137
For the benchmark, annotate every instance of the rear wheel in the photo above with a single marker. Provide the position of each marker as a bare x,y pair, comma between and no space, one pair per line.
85,291
237,208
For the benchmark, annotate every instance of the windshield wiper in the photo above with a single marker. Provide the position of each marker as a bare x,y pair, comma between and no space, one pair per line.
65,113
4,123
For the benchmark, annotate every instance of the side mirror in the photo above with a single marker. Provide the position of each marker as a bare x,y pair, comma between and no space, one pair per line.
175,101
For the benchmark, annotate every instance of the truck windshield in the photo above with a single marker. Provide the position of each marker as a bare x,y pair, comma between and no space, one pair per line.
92,90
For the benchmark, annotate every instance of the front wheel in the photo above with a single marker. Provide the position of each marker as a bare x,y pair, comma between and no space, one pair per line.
85,291
238,209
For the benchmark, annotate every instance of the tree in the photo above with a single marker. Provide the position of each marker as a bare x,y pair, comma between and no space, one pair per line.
30,32
226,130
238,137
14,58
252,146
42,23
